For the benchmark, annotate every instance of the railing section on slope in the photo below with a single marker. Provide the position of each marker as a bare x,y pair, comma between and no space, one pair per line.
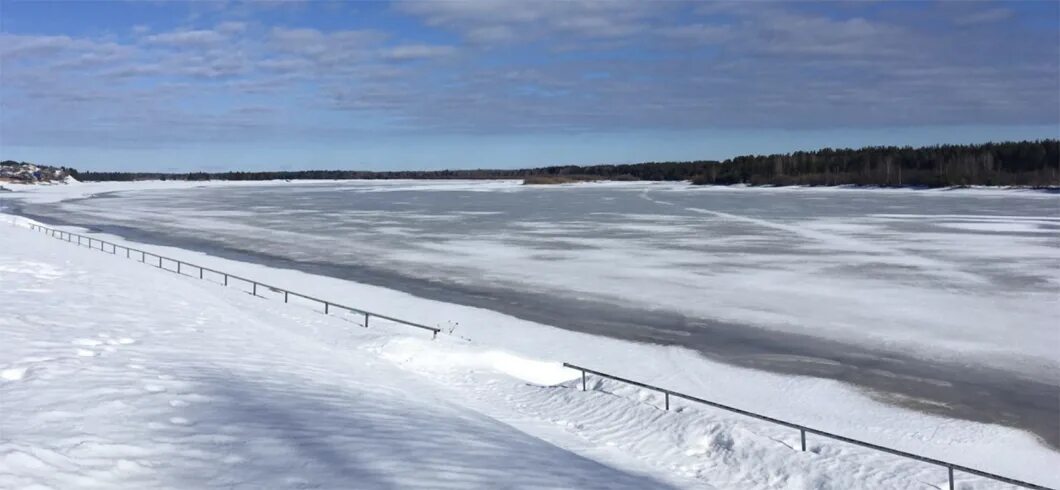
193,270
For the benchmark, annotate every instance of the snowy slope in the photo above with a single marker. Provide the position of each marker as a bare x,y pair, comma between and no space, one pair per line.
114,374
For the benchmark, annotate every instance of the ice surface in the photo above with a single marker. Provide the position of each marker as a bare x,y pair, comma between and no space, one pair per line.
949,274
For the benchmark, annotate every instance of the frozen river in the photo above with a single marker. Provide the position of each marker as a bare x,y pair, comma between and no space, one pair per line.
948,301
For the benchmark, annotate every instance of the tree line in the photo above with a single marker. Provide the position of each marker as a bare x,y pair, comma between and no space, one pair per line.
1024,163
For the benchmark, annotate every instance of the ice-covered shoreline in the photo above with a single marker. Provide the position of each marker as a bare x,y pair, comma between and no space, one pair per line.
74,190
824,404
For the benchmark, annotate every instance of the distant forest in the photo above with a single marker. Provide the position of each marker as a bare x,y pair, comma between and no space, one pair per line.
1026,163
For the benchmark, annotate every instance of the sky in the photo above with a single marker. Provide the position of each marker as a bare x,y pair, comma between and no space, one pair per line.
226,85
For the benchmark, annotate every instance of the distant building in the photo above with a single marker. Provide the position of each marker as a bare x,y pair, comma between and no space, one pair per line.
28,173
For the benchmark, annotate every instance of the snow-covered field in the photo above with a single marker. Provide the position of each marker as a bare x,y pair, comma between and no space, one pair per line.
113,374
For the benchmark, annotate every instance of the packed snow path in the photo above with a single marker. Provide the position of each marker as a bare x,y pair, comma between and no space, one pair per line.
114,375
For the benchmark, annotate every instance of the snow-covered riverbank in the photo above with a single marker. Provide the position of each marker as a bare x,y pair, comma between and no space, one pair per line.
142,378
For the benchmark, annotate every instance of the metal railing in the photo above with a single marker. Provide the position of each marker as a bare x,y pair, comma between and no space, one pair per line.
803,430
183,268
667,394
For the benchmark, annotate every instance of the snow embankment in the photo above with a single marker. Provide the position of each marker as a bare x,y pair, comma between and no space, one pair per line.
119,376
116,374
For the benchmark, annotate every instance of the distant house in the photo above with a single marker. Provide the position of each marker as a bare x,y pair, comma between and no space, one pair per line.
28,173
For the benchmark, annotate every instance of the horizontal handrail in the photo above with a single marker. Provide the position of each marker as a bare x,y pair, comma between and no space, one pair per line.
328,305
808,430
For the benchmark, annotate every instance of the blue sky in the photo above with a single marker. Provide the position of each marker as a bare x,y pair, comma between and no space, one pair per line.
206,85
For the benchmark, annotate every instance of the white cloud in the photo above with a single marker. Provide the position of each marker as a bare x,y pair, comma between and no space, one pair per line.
500,21
316,43
231,27
189,38
699,33
629,66
983,17
418,51
15,45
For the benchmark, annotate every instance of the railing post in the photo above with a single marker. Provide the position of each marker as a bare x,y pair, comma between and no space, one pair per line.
325,307
159,261
950,468
365,320
667,397
226,279
583,380
200,272
802,438
127,252
434,335
285,296
178,267
255,289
